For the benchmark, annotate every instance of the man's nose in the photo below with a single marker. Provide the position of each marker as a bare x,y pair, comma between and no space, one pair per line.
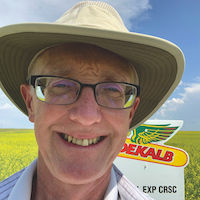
85,110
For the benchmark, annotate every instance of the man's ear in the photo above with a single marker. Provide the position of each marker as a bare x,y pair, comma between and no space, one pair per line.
28,99
134,108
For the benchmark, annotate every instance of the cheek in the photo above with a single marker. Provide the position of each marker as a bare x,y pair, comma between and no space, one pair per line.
119,123
45,113
44,116
119,120
41,121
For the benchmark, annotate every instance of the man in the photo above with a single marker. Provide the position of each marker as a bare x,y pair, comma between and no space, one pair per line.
82,79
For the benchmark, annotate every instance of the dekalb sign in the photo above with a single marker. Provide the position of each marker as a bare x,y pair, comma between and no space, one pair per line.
156,169
155,153
147,153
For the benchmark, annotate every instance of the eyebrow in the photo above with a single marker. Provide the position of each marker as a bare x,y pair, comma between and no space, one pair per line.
108,76
60,72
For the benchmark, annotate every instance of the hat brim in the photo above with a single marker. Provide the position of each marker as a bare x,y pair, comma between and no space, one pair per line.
159,63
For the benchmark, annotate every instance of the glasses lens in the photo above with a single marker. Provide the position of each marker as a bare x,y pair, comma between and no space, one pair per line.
56,90
116,95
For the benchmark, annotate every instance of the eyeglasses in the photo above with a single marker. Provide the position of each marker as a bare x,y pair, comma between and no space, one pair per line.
63,91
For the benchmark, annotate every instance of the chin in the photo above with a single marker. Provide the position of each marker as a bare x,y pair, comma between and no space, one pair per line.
80,174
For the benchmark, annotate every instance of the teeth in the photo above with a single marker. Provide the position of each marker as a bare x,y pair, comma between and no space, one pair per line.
94,140
90,141
84,142
79,142
74,140
69,138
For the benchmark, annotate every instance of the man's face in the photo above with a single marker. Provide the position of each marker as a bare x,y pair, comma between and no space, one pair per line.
84,119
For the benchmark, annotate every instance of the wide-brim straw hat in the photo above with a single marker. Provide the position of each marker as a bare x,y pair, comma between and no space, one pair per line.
159,63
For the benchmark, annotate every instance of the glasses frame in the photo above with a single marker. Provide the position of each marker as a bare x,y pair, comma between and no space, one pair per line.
33,79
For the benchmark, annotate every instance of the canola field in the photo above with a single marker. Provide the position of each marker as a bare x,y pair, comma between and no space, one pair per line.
18,148
190,142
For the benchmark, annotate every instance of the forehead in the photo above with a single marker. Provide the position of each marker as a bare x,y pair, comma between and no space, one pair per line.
82,60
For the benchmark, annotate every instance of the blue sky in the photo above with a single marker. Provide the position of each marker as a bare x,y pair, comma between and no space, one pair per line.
174,20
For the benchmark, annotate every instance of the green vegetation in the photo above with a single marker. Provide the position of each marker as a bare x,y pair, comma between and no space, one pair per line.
18,148
190,142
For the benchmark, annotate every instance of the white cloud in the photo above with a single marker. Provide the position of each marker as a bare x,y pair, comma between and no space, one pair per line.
10,116
170,105
12,12
185,107
131,11
194,88
5,106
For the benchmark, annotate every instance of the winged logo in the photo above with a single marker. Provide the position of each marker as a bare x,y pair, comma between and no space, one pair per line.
147,133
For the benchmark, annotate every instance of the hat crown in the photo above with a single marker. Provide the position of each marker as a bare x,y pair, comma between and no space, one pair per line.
93,14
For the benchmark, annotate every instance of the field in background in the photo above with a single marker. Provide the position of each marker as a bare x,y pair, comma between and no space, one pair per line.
18,148
190,142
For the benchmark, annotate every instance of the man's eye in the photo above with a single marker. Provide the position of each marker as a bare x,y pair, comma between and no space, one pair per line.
60,85
113,92
113,89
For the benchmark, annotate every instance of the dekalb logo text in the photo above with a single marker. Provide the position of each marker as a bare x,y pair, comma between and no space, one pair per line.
161,154
145,151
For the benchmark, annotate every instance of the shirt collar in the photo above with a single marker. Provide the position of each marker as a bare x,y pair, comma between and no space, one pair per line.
112,191
23,187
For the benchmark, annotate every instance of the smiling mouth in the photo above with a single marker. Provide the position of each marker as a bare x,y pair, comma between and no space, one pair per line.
81,142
